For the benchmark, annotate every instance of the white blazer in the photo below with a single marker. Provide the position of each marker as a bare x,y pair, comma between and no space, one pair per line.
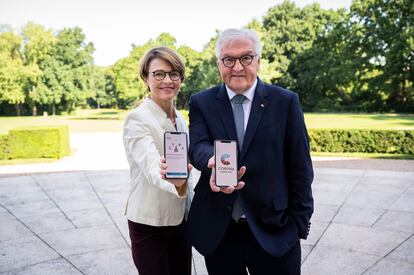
152,200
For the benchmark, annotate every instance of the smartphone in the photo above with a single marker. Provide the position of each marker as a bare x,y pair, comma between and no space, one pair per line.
225,154
176,155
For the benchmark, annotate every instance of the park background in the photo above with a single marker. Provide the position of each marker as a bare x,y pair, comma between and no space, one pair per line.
358,59
352,68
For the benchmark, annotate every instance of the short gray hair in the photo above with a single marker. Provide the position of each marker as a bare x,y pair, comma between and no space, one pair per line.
230,34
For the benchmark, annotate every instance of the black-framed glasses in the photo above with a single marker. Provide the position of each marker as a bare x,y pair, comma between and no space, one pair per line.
245,60
160,75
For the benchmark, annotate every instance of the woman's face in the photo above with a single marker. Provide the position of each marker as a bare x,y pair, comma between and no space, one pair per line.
162,90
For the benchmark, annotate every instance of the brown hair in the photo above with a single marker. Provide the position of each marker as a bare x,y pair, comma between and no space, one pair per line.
165,54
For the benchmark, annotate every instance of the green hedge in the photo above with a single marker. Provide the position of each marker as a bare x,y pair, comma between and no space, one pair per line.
362,141
3,146
36,142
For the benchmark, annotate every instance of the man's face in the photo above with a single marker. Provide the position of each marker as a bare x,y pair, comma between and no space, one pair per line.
240,77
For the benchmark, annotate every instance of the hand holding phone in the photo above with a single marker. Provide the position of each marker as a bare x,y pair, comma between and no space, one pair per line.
225,152
229,189
176,155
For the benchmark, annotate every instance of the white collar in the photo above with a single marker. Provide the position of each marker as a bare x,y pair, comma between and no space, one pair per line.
249,93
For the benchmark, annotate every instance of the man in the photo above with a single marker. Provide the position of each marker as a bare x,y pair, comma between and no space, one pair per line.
257,224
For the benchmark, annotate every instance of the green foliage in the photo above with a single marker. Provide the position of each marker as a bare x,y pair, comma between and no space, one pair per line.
129,88
38,43
288,31
185,115
3,146
383,35
192,61
14,75
103,88
40,68
38,142
363,141
74,59
204,72
337,60
364,62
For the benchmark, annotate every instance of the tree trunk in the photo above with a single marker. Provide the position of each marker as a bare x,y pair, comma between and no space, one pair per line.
18,109
53,109
34,110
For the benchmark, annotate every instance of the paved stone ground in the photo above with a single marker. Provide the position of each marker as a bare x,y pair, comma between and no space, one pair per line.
72,222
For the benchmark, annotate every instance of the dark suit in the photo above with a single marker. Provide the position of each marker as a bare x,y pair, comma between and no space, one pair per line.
277,198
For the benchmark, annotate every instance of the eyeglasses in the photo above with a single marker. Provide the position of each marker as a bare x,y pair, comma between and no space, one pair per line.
160,75
245,60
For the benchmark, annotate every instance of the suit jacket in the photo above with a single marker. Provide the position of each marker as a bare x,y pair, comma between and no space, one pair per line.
277,198
152,200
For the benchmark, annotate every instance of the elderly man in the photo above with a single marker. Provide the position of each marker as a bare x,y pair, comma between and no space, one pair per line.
256,225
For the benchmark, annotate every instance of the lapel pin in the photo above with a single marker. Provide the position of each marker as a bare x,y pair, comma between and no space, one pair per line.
262,105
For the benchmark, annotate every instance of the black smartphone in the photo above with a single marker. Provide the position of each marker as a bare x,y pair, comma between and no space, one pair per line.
225,154
176,155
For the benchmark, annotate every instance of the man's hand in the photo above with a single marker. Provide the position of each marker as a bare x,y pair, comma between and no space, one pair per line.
228,190
163,172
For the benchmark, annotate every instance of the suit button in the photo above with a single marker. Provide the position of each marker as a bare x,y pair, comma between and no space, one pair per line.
229,208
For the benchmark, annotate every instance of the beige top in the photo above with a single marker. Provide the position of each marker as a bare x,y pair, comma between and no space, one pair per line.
152,200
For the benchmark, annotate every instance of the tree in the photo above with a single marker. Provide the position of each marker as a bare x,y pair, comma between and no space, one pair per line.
383,36
192,60
289,31
325,73
14,74
75,57
38,44
103,94
203,68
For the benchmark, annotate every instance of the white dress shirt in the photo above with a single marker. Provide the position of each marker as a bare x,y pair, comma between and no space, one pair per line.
247,104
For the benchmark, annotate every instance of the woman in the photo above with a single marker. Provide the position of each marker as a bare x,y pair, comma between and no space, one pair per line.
156,206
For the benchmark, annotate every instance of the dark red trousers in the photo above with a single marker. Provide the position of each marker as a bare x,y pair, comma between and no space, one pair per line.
160,250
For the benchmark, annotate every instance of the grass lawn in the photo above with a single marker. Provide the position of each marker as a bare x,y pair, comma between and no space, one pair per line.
360,121
104,120
110,120
363,155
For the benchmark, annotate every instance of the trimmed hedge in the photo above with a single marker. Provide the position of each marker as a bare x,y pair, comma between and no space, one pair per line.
3,146
37,142
362,141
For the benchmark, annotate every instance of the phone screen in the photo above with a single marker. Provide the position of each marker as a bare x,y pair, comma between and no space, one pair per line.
175,153
225,152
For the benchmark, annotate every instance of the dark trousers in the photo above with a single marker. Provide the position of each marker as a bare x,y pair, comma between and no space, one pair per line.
160,250
239,251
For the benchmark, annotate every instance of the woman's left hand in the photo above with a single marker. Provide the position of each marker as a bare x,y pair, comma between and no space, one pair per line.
163,172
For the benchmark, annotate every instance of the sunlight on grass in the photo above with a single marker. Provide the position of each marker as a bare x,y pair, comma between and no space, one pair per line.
26,161
362,155
84,121
111,120
360,121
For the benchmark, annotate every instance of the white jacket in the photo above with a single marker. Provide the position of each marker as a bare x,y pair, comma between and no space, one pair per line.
152,200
